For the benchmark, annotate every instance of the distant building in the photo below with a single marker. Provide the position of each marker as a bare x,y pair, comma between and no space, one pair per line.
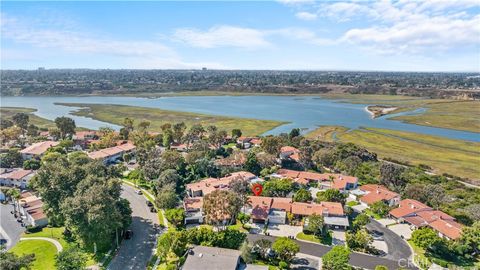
212,258
112,154
376,193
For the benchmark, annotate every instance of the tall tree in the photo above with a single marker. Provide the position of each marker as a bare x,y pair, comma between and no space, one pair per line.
66,126
178,131
392,176
21,120
337,258
10,261
221,207
272,145
71,259
302,195
251,164
285,248
236,133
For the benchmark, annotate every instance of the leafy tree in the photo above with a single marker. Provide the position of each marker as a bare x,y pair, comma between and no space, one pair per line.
331,195
66,126
246,253
380,208
11,159
175,216
262,247
360,221
359,240
272,145
221,206
11,133
336,259
435,195
167,139
392,176
21,120
32,130
244,218
178,131
251,164
168,177
5,123
324,157
31,164
242,188
425,237
302,195
315,224
11,261
277,188
470,240
294,133
166,197
285,248
71,259
236,133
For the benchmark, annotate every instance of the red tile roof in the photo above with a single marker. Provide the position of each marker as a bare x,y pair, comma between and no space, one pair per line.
408,207
449,228
111,151
208,185
16,174
323,208
38,148
193,203
376,193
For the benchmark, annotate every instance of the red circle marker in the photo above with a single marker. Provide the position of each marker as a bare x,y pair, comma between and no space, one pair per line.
257,189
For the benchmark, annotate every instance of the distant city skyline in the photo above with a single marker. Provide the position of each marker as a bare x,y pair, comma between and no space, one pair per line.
280,35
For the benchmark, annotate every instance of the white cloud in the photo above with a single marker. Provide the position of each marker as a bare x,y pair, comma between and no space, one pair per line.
306,16
138,53
222,36
296,2
407,26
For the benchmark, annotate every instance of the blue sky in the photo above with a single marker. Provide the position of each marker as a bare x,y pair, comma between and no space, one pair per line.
399,35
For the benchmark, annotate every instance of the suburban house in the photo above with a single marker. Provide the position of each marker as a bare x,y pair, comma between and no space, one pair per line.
376,193
274,211
193,210
213,258
208,185
323,180
112,154
420,215
82,139
289,153
36,150
16,178
247,142
31,208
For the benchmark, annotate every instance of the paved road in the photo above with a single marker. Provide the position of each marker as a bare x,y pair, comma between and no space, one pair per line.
397,247
137,251
10,229
356,259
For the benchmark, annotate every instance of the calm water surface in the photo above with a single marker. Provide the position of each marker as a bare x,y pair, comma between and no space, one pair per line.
302,112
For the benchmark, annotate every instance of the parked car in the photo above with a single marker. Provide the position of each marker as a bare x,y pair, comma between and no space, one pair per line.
128,234
149,203
139,192
153,210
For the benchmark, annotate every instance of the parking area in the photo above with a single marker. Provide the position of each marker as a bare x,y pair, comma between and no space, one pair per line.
283,230
402,230
386,221
338,237
10,228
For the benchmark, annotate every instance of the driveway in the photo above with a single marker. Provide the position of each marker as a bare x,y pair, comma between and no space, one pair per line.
396,246
402,230
356,259
135,253
283,230
10,229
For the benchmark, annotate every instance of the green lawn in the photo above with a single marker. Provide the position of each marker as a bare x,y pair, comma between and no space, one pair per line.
352,203
369,212
57,234
443,155
326,240
44,253
157,117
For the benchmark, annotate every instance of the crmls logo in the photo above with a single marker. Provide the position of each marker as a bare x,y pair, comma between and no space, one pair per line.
424,263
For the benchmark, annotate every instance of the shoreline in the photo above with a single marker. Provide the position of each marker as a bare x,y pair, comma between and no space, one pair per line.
379,110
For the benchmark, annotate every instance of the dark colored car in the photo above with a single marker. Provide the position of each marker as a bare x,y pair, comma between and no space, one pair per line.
149,203
153,210
128,234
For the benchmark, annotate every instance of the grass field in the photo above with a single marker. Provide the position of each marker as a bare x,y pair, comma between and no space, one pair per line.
116,113
462,115
445,113
326,133
455,157
44,253
8,112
